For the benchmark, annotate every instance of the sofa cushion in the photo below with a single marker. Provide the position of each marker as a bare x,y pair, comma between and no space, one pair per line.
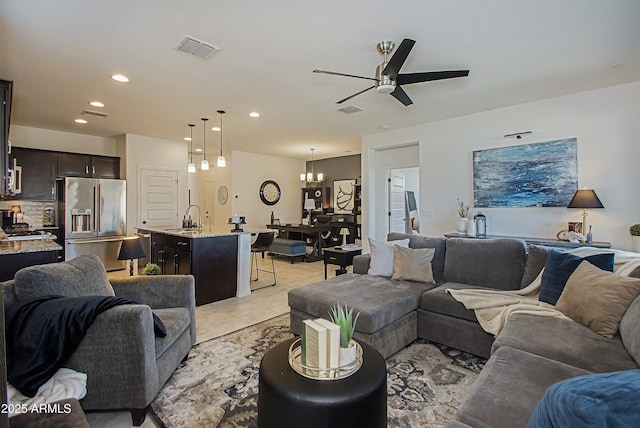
419,241
82,276
597,298
494,263
536,259
413,264
382,256
566,341
630,330
597,400
439,301
559,268
379,300
509,388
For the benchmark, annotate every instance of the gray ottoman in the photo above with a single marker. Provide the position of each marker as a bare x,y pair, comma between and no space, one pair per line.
288,248
388,320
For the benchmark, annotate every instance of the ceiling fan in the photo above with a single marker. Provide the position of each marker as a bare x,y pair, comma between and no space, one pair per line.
389,80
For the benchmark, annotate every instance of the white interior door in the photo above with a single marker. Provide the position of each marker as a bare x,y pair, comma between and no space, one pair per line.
397,218
158,197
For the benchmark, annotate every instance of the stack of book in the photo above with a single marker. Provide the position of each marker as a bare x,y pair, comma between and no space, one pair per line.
320,347
350,247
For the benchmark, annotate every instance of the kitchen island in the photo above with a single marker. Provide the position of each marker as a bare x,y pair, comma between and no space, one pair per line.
218,259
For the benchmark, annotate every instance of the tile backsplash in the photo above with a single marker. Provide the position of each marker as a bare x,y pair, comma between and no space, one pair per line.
32,212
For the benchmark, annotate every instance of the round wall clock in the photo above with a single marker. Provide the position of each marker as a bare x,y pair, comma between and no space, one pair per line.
270,192
223,195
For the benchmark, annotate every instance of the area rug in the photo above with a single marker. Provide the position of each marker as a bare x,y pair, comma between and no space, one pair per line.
218,384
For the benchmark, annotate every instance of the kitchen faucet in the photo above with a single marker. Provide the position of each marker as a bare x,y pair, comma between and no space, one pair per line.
199,215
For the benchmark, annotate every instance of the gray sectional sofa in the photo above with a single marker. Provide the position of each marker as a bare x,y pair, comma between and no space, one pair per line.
530,354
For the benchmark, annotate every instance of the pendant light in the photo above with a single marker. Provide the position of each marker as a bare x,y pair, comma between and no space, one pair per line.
309,177
192,166
221,161
204,165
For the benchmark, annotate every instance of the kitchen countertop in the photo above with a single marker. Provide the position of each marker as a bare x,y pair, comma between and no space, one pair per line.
205,233
28,246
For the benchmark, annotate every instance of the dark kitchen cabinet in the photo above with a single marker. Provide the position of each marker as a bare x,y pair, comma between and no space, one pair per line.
12,263
38,173
213,261
91,166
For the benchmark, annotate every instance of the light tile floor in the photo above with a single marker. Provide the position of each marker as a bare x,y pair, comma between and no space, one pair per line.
223,317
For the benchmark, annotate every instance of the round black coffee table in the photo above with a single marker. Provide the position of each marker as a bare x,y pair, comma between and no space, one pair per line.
288,399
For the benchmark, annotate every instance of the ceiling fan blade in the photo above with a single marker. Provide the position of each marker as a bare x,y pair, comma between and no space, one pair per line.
354,95
399,57
400,95
408,78
342,74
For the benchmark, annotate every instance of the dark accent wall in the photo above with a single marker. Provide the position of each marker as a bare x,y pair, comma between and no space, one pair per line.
340,168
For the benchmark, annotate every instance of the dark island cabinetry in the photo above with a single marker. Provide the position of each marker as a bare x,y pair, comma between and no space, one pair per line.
212,260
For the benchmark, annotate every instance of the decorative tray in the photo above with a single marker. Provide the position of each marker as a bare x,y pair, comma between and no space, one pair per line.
333,373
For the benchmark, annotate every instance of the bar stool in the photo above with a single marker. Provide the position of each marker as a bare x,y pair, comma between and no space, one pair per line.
262,243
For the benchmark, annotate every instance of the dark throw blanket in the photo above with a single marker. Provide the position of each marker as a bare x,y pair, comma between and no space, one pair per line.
43,333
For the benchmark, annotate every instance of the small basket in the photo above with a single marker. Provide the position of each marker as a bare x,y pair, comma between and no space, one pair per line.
332,373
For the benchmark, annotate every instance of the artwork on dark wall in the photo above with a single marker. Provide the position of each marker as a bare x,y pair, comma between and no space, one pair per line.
528,175
343,196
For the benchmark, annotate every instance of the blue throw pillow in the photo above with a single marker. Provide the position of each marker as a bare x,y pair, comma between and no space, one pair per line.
560,266
597,400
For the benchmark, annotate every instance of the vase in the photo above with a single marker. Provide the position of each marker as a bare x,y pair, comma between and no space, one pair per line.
461,225
635,244
348,356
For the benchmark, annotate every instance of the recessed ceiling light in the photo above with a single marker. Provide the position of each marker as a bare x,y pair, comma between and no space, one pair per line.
216,128
187,138
96,104
254,114
81,121
198,150
120,78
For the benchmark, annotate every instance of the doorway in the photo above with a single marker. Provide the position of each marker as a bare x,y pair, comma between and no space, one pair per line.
402,194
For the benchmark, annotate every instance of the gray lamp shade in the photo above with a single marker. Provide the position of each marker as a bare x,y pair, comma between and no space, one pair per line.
131,249
585,198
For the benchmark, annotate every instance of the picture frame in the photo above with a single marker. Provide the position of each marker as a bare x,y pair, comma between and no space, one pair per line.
343,196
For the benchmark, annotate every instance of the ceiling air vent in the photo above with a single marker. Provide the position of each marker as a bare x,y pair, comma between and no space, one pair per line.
86,112
192,46
350,109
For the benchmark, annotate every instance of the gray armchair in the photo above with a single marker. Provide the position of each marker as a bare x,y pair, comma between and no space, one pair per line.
126,365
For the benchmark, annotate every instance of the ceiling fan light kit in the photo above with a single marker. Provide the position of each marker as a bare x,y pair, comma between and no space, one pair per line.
388,80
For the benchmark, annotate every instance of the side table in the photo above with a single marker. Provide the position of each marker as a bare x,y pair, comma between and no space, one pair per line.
288,399
339,257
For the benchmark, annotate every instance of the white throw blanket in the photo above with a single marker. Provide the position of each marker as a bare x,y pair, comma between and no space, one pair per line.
494,308
65,383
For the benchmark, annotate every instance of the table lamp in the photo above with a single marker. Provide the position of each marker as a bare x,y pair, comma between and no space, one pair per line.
585,198
344,232
130,249
309,204
238,221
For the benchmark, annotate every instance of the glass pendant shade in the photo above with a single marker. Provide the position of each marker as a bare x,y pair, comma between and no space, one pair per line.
204,165
221,161
303,177
191,168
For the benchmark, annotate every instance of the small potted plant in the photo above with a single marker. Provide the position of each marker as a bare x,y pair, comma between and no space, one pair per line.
462,221
151,269
635,237
343,317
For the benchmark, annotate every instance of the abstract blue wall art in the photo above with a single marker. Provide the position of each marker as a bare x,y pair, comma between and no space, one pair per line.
529,175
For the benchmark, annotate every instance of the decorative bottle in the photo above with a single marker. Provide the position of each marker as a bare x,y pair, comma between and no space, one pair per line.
481,225
272,217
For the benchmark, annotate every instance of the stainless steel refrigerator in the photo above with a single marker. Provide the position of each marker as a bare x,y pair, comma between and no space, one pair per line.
92,213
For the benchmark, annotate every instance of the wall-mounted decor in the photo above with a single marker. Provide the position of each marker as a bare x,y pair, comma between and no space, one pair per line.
343,196
528,175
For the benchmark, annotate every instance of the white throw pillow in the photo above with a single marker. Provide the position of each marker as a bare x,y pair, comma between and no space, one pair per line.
382,256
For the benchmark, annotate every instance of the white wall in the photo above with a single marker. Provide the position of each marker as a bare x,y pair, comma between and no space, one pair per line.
249,171
138,151
604,122
46,139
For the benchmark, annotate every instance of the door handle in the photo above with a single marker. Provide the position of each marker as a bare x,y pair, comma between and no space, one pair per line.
86,169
